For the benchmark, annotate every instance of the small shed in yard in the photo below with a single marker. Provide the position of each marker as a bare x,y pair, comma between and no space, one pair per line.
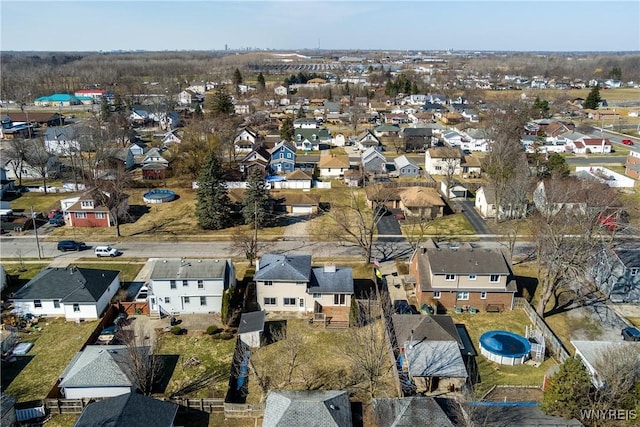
251,328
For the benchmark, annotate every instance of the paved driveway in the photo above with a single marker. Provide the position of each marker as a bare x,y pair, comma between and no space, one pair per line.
469,211
388,227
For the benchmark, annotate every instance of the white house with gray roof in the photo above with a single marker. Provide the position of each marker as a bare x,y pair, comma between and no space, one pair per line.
98,371
289,283
189,285
405,167
284,408
73,293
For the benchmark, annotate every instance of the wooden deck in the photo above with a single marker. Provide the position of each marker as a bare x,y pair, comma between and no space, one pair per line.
336,316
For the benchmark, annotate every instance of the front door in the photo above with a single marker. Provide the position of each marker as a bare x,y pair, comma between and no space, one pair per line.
301,304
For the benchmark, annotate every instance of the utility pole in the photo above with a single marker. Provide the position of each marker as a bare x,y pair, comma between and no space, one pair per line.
35,229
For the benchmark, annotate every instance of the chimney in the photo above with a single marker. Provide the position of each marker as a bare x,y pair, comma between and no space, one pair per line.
329,268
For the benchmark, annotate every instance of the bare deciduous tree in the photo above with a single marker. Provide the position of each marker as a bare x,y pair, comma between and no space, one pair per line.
246,243
618,375
40,160
144,366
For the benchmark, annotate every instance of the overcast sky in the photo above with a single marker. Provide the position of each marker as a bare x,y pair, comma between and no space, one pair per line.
88,25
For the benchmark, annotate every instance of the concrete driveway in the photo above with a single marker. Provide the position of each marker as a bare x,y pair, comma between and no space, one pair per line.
469,212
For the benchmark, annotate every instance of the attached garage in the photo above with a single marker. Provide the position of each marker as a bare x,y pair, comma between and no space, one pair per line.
302,209
297,203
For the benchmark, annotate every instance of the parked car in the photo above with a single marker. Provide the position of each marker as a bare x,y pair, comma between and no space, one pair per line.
57,220
107,335
627,142
71,245
402,306
100,251
630,334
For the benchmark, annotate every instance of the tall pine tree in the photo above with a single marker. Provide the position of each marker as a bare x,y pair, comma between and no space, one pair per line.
256,201
213,207
237,80
593,99
261,83
221,103
286,129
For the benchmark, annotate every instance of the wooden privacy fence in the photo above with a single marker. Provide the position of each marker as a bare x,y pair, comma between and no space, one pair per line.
552,342
243,410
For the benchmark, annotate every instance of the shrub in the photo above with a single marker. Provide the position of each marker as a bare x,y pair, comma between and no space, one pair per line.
222,336
176,330
224,309
213,329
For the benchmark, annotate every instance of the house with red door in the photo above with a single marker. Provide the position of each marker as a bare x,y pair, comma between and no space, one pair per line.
89,210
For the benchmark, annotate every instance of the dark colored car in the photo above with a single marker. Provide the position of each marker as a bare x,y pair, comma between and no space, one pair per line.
71,245
57,220
402,306
630,334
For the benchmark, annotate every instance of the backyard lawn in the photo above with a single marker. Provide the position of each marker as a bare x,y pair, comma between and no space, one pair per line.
33,375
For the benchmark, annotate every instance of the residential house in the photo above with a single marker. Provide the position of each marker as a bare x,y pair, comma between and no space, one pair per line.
128,410
410,411
471,166
592,146
386,130
310,139
305,123
28,117
251,328
243,108
405,167
326,408
382,195
593,354
189,285
139,117
367,140
354,178
62,140
296,203
616,273
259,159
432,351
443,161
550,196
297,179
98,371
373,161
421,202
121,157
25,170
460,275
246,140
137,148
188,97
333,166
89,210
476,140
453,138
632,165
283,158
6,184
289,283
73,293
154,165
485,202
416,138
7,409
280,90
170,138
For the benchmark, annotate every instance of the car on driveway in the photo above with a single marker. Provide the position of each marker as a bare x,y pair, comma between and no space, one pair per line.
627,142
402,306
630,334
71,245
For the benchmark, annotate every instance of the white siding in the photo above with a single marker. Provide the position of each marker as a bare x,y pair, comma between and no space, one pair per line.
212,290
79,393
280,291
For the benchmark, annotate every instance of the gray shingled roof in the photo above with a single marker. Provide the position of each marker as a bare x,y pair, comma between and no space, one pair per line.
435,359
98,366
251,322
280,267
465,260
313,408
630,258
403,161
69,285
176,268
409,412
523,416
128,410
339,281
430,328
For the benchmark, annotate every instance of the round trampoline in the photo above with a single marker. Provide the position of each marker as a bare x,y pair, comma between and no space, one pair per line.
158,196
505,348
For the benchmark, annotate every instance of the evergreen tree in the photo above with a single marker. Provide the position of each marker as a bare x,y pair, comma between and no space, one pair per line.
221,103
261,82
300,114
414,88
213,207
593,99
541,107
256,201
346,90
237,80
286,129
557,164
105,110
568,390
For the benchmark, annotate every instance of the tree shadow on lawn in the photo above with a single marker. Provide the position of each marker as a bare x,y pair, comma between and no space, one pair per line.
168,363
137,211
526,287
191,417
10,370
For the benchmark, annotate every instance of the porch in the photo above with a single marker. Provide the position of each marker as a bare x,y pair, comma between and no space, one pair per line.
331,317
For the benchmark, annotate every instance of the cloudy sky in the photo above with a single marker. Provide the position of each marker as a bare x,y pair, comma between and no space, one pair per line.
515,25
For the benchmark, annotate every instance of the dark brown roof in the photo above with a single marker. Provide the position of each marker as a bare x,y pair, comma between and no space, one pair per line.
296,198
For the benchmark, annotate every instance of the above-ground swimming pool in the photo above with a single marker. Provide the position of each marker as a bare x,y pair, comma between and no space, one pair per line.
158,196
505,347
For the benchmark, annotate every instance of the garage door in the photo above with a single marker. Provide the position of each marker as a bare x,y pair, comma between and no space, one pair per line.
301,209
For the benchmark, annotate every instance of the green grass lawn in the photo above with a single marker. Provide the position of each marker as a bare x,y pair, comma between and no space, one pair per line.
449,225
492,373
211,377
33,376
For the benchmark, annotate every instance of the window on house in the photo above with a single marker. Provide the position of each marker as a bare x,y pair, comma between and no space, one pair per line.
339,299
100,215
86,203
483,295
269,301
186,300
56,303
301,302
635,271
438,168
494,278
167,300
473,277
315,295
289,301
185,283
450,277
172,284
268,283
200,284
436,295
37,303
282,155
76,308
462,296
81,215
203,300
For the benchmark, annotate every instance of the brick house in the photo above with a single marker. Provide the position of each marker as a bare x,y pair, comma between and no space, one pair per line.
632,166
462,277
89,211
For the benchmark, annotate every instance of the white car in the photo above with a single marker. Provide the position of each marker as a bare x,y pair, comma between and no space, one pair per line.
101,251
